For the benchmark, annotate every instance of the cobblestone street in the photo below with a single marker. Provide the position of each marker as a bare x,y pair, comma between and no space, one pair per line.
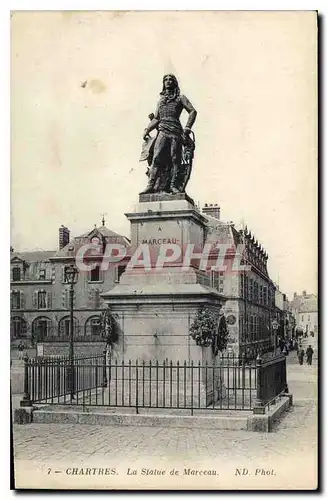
41,447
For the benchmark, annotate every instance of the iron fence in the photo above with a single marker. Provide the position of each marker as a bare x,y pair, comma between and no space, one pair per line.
228,384
271,381
50,379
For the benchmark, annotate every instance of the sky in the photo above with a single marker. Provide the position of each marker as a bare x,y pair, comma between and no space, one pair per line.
83,84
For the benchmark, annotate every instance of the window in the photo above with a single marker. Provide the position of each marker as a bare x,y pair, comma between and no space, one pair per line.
16,274
221,282
42,274
95,274
64,327
265,296
119,270
42,300
95,326
214,280
41,328
64,274
16,300
309,318
18,328
302,317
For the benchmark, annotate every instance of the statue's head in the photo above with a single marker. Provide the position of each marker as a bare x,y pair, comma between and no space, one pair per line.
170,83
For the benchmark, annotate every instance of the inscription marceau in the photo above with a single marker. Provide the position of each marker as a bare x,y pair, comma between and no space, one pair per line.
161,241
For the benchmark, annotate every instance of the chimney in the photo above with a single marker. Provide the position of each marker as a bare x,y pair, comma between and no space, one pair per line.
295,295
304,293
212,210
63,237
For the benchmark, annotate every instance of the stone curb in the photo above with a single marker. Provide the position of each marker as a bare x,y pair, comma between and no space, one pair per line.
264,423
191,422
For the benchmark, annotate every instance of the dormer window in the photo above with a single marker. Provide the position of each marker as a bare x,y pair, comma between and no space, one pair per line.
16,274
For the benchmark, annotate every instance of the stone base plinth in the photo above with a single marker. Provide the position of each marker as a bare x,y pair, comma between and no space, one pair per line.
153,321
166,219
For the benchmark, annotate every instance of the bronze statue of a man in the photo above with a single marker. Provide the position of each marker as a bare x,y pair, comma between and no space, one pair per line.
167,149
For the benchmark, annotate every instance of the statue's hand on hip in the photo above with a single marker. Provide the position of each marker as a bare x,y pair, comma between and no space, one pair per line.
146,135
186,133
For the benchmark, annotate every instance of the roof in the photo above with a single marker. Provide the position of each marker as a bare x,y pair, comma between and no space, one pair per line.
103,230
34,256
218,231
109,236
300,301
310,305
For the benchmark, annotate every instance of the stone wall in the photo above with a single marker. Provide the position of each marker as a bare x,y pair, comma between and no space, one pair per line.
80,348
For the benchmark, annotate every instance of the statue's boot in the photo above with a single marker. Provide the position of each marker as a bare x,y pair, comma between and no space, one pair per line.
173,187
151,182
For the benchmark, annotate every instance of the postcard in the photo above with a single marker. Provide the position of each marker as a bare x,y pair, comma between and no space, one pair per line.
164,306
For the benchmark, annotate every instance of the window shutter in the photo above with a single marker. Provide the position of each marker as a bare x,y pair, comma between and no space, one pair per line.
64,299
22,300
49,300
97,299
23,327
61,328
91,295
35,299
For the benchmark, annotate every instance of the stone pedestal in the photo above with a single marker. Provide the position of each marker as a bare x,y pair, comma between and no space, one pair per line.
166,219
154,307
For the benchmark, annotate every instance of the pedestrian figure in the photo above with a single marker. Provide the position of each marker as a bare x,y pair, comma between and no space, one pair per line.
300,355
20,350
309,354
285,350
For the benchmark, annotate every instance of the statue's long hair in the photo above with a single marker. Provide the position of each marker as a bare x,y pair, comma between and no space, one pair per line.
176,90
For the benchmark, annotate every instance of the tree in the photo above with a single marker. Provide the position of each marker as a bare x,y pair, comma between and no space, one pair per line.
109,328
221,338
204,327
210,329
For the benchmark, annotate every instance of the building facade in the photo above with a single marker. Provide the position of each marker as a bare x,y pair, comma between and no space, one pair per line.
305,310
284,316
40,294
250,294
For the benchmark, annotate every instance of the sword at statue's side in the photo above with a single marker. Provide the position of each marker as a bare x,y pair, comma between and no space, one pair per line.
148,141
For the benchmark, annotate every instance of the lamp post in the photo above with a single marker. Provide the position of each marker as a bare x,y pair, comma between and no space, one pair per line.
71,276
